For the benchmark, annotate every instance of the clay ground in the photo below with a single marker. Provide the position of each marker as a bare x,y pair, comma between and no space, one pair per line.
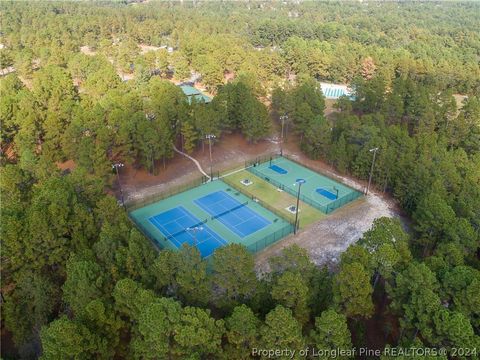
324,240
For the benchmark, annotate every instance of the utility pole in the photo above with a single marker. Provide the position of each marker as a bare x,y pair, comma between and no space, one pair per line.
299,182
116,166
374,150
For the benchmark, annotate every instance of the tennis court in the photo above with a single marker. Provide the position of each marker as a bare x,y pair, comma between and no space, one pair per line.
317,190
180,226
239,218
210,216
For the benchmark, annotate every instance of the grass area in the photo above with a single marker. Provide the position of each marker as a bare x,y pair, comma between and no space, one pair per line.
279,200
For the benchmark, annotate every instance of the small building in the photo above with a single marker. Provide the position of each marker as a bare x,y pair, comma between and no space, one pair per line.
192,92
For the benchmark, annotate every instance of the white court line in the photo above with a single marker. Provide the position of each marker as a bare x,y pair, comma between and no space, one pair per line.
160,228
212,234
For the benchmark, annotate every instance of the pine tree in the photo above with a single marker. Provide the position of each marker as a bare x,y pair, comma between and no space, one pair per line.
189,136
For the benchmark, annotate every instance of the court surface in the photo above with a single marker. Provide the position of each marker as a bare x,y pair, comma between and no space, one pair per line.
240,219
318,190
205,207
278,169
179,226
326,193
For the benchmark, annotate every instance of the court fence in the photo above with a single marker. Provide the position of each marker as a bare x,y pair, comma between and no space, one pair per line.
134,204
264,204
257,246
326,209
261,159
270,239
145,233
238,166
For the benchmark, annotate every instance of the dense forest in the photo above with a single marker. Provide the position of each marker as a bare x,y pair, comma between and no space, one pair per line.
80,282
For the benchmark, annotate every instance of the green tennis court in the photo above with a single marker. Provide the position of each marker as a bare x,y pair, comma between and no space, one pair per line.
317,190
210,216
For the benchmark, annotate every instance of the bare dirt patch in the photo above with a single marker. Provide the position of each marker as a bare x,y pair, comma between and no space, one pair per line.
138,182
86,50
68,165
230,152
326,239
459,99
146,48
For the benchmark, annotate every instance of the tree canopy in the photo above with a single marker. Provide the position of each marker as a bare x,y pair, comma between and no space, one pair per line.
96,84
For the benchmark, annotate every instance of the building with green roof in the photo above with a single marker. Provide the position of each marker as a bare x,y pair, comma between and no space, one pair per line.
192,92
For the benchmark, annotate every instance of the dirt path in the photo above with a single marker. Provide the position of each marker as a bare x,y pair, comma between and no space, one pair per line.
194,161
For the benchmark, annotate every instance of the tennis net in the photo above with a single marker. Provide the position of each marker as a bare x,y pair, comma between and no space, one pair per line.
230,210
186,229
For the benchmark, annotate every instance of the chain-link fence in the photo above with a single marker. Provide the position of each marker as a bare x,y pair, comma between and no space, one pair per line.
150,199
327,209
261,159
268,240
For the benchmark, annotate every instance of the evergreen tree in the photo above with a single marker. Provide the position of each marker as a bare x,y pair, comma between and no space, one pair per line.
331,332
291,291
189,136
281,331
234,278
242,332
352,291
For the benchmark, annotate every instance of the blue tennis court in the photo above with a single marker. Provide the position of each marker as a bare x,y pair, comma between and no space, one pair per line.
328,194
236,216
279,169
179,226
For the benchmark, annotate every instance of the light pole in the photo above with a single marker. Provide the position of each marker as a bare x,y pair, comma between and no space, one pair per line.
374,150
195,229
116,166
299,182
210,137
282,118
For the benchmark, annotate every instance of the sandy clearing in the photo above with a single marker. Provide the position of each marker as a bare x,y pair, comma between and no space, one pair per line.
326,239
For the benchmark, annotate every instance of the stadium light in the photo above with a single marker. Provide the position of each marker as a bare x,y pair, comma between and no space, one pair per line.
195,229
282,118
374,150
116,166
210,137
299,182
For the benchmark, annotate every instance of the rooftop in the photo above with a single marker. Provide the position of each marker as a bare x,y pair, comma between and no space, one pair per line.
190,91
